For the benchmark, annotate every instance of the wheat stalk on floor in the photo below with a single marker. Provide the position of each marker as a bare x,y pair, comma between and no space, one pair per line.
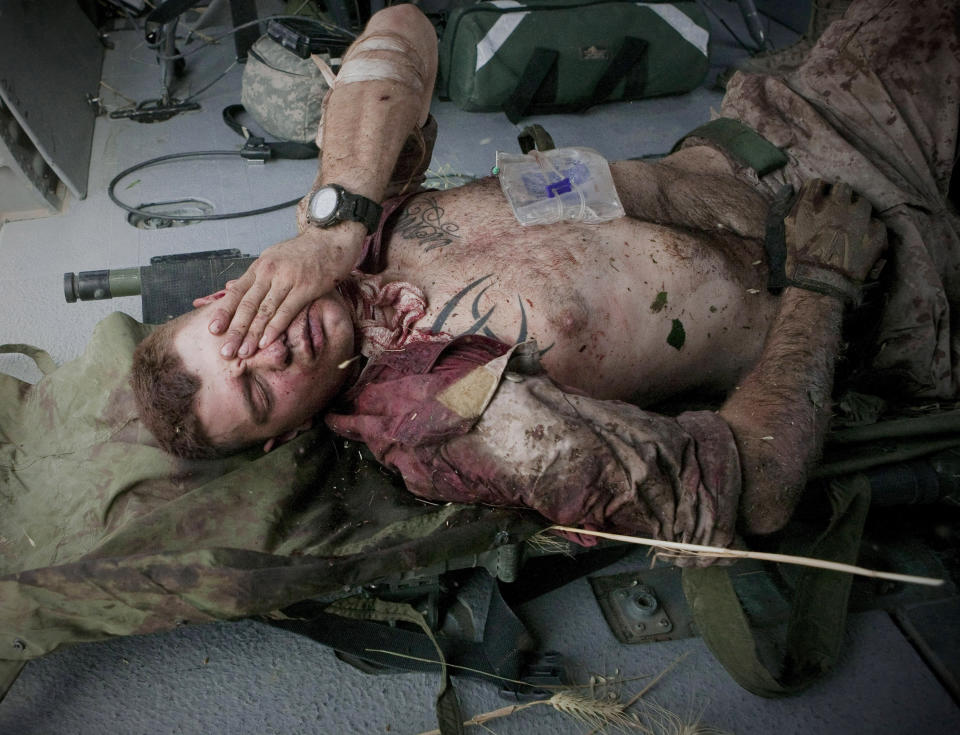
586,710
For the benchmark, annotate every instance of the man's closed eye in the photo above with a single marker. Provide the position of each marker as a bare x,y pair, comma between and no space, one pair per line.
256,396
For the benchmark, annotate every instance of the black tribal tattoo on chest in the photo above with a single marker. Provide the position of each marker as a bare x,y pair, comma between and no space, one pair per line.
423,221
479,325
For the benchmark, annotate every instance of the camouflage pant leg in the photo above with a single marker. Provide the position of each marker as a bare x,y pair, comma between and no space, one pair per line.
876,105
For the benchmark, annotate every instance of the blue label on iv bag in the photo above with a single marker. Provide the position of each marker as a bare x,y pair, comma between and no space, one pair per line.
560,184
552,185
559,187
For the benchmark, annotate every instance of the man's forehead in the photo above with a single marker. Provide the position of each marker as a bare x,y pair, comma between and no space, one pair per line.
192,341
194,322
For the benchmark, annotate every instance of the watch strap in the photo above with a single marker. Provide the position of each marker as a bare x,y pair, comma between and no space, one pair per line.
359,209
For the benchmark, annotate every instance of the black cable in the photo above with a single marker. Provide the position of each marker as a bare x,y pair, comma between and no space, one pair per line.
190,217
204,89
747,47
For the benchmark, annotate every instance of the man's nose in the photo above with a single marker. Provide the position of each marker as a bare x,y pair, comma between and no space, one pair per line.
277,353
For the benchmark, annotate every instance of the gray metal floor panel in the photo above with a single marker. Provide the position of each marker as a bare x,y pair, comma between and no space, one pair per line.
245,678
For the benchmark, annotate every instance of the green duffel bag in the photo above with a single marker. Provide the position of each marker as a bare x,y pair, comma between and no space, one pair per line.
543,56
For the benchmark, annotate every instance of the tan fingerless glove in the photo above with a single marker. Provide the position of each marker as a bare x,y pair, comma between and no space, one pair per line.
831,241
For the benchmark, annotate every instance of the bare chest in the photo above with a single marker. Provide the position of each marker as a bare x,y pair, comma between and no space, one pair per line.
619,310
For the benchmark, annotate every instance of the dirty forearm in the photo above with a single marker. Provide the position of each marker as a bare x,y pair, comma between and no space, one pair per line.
366,122
780,411
382,93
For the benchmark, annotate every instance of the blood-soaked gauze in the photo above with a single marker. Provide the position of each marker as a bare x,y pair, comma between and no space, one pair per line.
382,57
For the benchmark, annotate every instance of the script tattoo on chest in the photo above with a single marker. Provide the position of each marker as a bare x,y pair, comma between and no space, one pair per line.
423,221
479,325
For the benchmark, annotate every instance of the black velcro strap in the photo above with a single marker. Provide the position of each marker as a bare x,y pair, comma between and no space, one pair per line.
531,80
775,240
292,149
818,280
742,143
533,89
629,64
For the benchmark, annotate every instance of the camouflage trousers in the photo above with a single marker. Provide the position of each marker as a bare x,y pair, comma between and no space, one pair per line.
875,104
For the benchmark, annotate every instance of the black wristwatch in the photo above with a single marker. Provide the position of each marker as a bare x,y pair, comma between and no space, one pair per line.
332,203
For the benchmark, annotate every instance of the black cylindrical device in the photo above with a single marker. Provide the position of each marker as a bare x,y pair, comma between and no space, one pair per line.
104,284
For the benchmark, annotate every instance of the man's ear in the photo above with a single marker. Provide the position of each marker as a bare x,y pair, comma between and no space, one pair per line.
276,441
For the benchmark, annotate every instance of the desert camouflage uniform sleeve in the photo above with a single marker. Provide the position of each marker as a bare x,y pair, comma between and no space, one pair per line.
508,438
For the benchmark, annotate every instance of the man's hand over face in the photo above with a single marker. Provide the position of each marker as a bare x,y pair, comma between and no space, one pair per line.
832,243
259,306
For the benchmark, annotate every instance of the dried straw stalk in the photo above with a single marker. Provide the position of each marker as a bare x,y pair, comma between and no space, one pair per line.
719,551
592,712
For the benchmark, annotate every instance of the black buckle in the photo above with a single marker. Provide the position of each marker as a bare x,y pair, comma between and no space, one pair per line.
541,673
255,150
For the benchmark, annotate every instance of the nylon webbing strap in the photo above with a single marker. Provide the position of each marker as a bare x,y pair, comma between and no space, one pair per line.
349,626
449,717
818,616
499,654
626,64
278,149
775,240
742,143
534,81
531,80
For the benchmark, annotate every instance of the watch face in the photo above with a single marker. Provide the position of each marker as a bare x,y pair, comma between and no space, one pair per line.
323,205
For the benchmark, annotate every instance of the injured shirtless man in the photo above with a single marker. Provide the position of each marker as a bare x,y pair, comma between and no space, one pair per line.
492,353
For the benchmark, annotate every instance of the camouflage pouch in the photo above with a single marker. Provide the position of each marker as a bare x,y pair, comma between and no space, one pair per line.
283,92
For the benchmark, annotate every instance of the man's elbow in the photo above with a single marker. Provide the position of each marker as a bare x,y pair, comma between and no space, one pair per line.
773,482
405,20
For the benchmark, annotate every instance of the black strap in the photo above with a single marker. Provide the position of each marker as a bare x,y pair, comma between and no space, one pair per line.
536,87
260,149
499,654
627,64
541,62
163,14
535,137
775,240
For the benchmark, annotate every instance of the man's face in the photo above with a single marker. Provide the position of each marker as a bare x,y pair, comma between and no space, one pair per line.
280,388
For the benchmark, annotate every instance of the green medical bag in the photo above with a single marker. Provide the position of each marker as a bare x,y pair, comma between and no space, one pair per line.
542,56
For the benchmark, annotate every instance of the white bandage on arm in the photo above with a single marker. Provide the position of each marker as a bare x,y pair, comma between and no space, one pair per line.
382,57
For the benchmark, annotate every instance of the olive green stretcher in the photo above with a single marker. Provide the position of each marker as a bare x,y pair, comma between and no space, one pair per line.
102,534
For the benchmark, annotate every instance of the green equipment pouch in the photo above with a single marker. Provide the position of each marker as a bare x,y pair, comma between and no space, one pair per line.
283,92
547,56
